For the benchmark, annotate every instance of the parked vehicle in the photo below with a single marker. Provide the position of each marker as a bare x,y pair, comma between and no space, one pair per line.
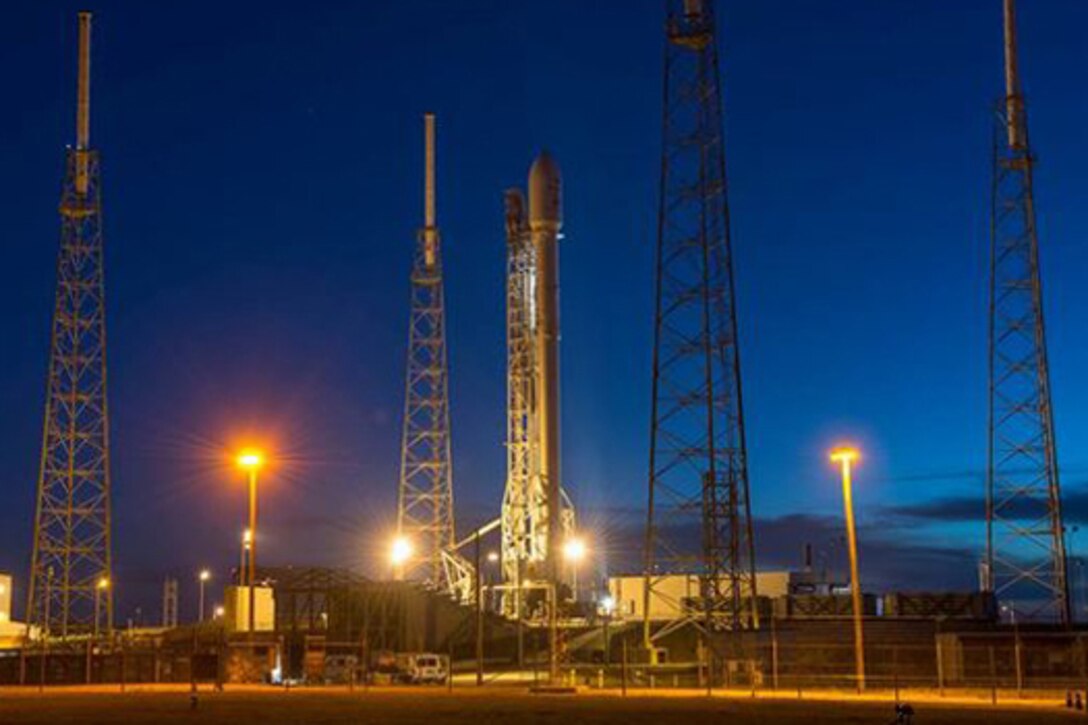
421,668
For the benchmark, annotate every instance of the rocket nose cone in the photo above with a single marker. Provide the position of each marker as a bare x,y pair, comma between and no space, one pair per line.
544,191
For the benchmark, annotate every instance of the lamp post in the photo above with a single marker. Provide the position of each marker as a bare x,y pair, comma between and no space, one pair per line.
100,587
250,461
608,606
846,457
247,537
203,578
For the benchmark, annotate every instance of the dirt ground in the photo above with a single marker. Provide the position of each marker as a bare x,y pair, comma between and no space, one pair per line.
316,707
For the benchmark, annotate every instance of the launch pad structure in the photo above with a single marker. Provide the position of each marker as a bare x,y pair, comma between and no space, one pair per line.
536,515
71,567
698,512
699,550
1025,535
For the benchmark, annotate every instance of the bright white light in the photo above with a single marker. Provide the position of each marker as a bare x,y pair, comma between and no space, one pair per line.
574,550
493,556
608,604
205,575
401,550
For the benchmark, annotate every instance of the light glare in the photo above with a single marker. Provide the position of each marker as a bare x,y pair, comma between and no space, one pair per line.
401,550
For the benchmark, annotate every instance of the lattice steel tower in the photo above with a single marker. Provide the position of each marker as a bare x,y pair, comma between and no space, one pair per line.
699,521
425,500
1024,534
523,543
72,526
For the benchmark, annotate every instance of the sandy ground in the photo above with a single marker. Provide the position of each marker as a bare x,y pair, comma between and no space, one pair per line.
432,706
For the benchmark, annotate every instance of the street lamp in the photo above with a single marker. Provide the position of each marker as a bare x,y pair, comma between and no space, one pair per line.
845,457
251,460
607,609
247,538
100,588
574,551
203,578
219,611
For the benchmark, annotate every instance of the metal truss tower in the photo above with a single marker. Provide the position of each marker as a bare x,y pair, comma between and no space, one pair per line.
72,526
524,536
699,520
425,498
1024,534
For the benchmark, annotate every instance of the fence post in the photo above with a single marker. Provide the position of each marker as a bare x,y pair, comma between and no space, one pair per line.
1019,664
623,670
940,665
449,665
895,672
709,665
774,654
1084,666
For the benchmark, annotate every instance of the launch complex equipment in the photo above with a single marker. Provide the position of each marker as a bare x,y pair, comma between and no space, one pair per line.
537,517
425,494
698,518
1025,546
71,554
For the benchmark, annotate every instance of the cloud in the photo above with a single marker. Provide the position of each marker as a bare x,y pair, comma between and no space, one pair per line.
968,509
892,557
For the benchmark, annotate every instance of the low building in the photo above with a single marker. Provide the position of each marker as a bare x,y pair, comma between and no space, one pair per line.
11,633
674,594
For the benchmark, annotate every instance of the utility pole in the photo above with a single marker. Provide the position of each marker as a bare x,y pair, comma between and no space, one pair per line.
72,523
698,469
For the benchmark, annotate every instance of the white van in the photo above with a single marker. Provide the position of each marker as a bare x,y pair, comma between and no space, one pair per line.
420,668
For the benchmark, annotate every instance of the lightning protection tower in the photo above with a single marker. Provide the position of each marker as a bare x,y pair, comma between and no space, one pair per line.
1025,537
699,522
425,500
71,552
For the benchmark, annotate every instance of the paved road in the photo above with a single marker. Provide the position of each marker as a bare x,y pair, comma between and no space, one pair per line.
433,706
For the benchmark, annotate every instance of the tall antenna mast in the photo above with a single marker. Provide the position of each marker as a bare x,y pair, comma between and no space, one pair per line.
70,592
430,231
1014,100
1025,539
83,103
425,523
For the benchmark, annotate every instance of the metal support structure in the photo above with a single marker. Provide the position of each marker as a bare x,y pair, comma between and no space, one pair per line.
170,603
425,498
1025,552
537,514
72,522
699,518
524,540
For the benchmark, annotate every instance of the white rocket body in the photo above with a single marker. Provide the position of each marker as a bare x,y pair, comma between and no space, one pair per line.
545,221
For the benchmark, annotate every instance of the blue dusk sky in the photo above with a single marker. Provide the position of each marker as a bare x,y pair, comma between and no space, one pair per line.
262,192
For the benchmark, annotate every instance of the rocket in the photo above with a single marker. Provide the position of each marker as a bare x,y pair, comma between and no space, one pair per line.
545,221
